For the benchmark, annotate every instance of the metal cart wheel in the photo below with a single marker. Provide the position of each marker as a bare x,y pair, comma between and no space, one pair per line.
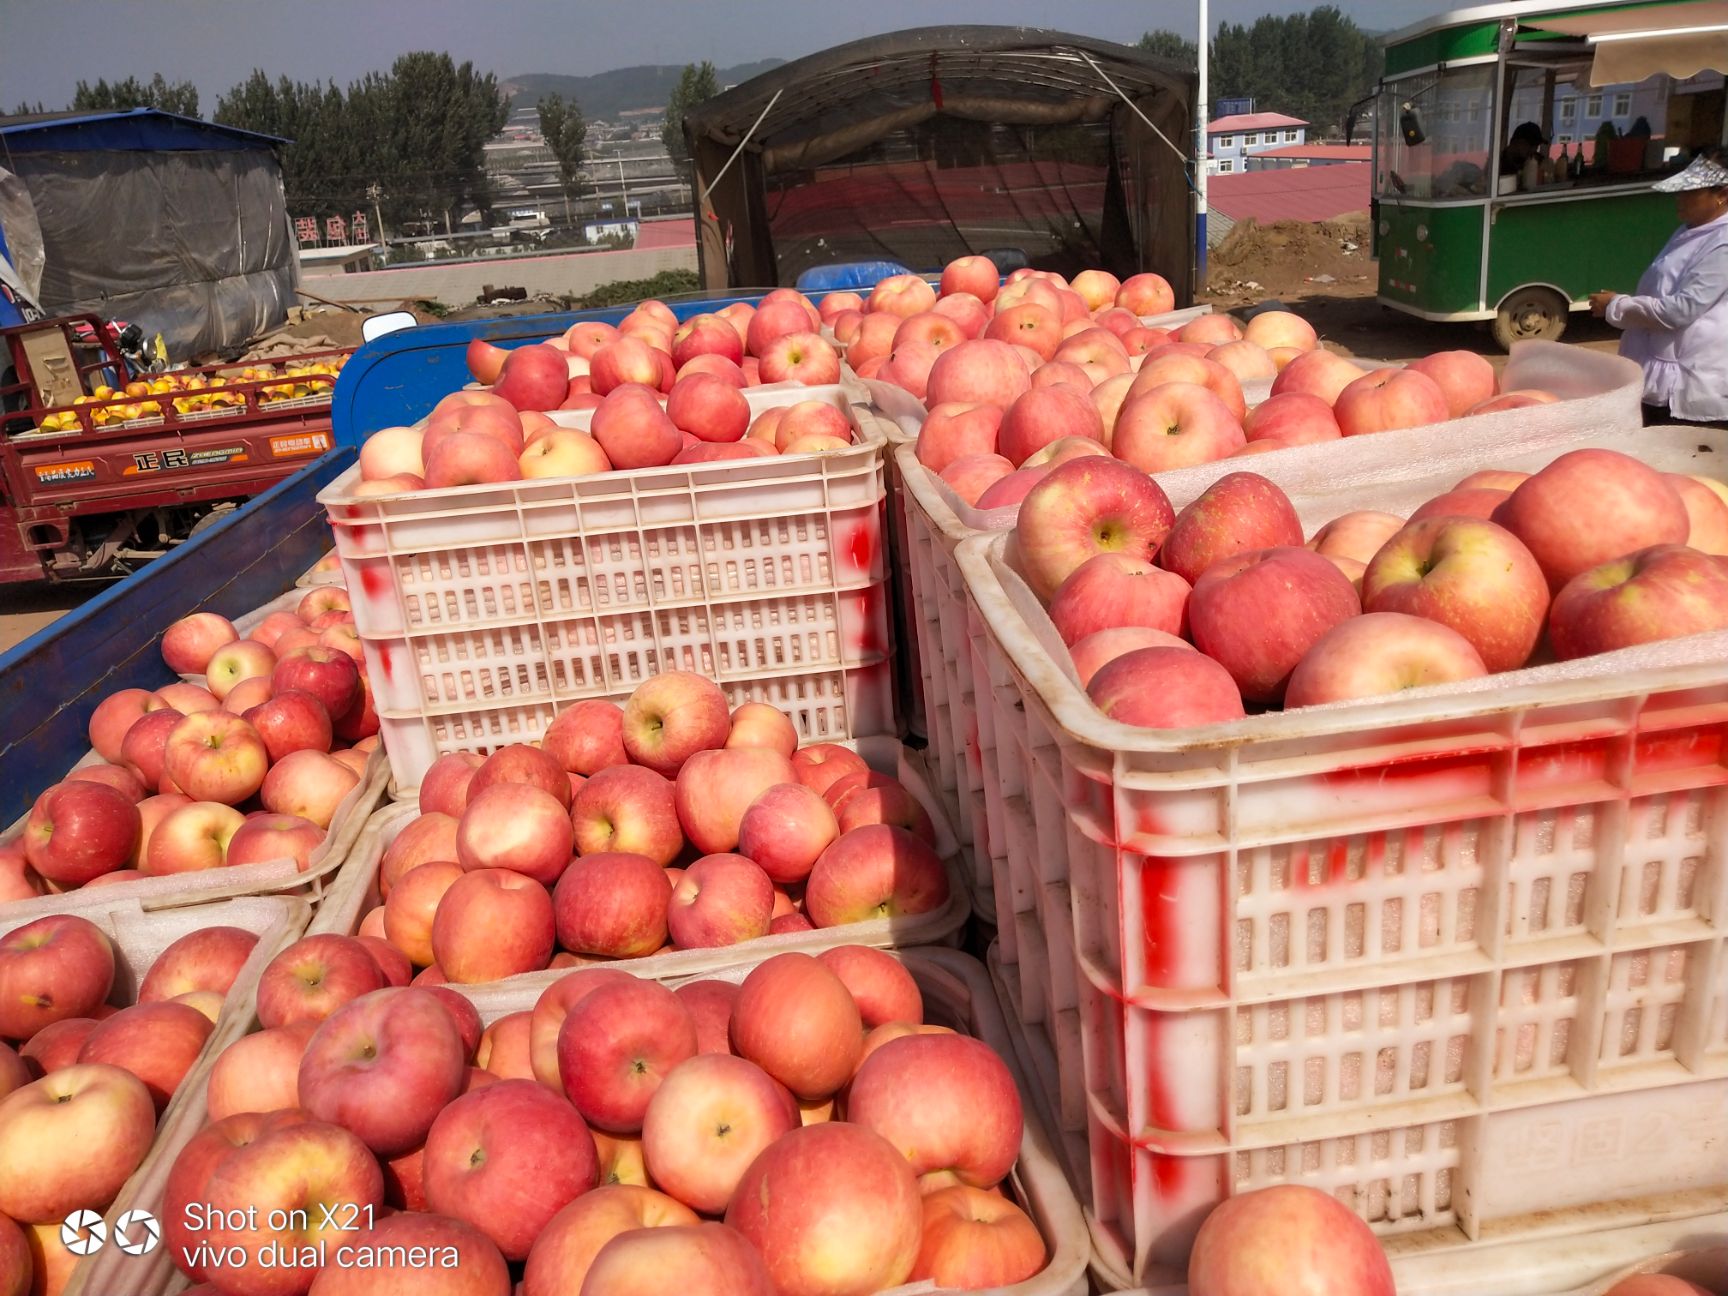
1530,314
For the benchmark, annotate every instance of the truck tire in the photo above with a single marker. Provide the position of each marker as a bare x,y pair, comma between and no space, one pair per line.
1530,314
219,513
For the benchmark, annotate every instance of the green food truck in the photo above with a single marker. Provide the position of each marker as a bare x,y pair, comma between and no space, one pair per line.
1515,146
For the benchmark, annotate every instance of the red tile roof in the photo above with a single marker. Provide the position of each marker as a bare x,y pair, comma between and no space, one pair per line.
1292,193
1319,152
1252,121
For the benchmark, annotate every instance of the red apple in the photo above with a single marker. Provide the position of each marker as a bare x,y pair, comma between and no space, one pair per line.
327,674
444,785
821,765
1113,589
144,749
54,968
1465,379
207,959
263,1199
79,830
715,787
157,1042
875,871
383,1067
308,784
830,1207
550,1009
878,982
1288,1240
615,1047
1318,373
948,1102
710,1006
116,714
518,827
421,841
533,378
314,977
1258,613
1591,507
1380,653
981,372
1658,593
820,1056
565,1250
976,1240
708,1258
506,1159
1083,508
627,808
671,716
612,904
785,831
720,900
1469,575
70,1140
1165,688
266,837
259,1072
976,275
493,923
760,724
709,1119
190,642
428,1255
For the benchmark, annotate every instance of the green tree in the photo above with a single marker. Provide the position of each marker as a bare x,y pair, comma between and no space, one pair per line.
175,97
564,130
25,109
1166,44
1310,65
696,84
418,132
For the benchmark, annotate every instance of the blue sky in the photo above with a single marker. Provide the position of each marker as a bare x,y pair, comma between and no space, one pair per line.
46,46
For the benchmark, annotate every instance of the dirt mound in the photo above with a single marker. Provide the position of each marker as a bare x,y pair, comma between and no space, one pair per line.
1288,256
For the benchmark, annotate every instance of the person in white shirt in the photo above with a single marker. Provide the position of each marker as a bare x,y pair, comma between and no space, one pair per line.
1676,323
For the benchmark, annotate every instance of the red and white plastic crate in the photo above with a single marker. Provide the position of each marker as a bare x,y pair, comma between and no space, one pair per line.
485,609
1456,956
1601,395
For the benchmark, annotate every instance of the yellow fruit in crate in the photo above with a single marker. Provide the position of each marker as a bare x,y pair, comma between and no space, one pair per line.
137,389
79,400
103,393
218,381
160,386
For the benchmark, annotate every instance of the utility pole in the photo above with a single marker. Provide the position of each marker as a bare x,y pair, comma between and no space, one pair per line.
1202,119
375,194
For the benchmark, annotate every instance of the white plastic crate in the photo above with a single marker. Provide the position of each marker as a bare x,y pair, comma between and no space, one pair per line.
1556,1259
357,891
1456,955
1603,395
956,992
485,609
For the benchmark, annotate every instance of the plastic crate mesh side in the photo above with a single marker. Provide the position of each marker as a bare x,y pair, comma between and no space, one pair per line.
1642,1000
1537,1021
1352,1050
1398,1180
1670,862
1556,856
1359,900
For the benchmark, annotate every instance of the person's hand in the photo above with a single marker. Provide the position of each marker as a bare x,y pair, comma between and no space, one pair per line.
1599,302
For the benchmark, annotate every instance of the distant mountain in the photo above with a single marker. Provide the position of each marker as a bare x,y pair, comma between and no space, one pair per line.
606,94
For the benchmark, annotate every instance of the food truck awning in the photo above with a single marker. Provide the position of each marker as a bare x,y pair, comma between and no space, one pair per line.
1679,39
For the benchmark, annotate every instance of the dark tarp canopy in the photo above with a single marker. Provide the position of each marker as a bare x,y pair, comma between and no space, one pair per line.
176,225
924,145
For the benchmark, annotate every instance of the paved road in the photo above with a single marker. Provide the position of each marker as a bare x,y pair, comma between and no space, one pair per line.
26,609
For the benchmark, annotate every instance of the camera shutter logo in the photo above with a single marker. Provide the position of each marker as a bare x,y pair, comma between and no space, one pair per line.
137,1232
83,1233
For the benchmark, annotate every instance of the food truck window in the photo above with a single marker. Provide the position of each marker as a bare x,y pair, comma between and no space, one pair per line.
1446,155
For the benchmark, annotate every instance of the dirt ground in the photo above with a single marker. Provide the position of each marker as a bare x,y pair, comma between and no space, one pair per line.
1324,273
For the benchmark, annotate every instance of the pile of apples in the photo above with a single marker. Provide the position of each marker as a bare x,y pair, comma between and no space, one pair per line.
138,399
575,1148
1023,377
1595,552
667,823
247,767
81,1092
660,393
